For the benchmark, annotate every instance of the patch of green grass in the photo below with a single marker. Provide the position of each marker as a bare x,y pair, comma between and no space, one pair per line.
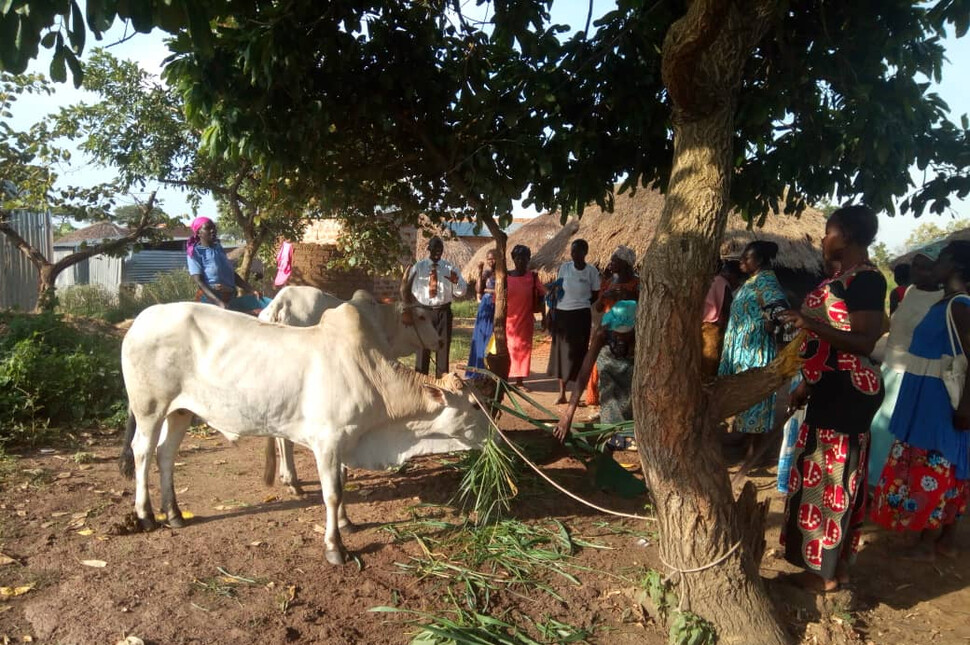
461,627
82,457
476,562
467,308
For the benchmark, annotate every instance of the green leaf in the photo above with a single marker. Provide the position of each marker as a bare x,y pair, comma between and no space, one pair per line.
49,39
76,72
58,69
77,32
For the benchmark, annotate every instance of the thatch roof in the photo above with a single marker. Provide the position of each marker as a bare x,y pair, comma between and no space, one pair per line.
456,251
534,234
633,223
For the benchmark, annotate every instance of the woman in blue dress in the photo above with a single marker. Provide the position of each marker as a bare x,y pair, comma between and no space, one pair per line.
485,319
924,485
749,341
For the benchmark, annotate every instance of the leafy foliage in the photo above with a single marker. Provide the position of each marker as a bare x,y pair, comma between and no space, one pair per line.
55,375
138,127
28,180
928,232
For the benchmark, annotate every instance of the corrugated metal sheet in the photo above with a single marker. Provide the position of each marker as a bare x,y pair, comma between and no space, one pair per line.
143,267
106,271
72,275
18,277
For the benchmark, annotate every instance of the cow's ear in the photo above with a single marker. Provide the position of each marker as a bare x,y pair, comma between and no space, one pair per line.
434,394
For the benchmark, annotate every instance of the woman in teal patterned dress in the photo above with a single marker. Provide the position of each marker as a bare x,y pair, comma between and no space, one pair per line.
749,341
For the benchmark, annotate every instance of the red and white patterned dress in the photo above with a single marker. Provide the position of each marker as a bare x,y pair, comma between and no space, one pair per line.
827,483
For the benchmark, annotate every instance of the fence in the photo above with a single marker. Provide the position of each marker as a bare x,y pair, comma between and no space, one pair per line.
18,277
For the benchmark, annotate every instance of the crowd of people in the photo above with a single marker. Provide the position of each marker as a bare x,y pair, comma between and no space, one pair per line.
877,426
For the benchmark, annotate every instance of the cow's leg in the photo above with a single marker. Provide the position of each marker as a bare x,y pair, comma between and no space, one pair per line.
178,424
142,446
343,522
288,466
328,467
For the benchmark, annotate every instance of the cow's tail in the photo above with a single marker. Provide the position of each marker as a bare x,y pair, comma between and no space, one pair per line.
126,460
269,468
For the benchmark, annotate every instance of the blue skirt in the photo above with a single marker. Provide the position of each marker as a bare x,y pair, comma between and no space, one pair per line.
484,325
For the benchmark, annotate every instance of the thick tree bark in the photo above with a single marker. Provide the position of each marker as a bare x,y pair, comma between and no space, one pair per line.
700,521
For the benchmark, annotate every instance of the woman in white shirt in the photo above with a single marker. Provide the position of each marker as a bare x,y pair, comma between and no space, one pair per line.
570,329
924,292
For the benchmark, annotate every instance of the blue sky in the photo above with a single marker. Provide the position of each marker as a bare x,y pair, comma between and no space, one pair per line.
149,51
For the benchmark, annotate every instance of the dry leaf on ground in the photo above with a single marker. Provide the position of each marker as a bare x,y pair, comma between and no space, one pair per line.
97,564
13,592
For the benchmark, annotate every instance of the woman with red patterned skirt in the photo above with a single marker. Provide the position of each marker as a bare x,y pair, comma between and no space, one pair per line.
827,485
923,487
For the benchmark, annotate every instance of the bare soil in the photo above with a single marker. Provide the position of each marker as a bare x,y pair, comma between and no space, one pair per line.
249,566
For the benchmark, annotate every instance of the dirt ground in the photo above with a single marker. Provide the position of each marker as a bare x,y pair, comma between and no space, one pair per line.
249,566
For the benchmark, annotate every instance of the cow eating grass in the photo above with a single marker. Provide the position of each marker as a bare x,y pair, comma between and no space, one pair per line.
328,387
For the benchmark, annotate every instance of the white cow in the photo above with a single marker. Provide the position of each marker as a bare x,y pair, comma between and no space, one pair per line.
328,387
400,329
405,327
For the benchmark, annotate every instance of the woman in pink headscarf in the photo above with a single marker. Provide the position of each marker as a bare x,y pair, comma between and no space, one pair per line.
209,265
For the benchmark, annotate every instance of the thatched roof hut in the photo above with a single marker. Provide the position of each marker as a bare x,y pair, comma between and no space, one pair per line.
634,220
533,234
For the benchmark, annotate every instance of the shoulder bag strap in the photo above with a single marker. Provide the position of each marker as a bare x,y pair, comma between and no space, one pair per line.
951,330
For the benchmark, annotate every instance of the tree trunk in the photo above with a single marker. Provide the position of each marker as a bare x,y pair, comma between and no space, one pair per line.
46,294
676,416
676,432
500,363
246,263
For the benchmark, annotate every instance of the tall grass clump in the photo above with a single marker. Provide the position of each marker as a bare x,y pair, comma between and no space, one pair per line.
488,484
88,300
97,301
54,375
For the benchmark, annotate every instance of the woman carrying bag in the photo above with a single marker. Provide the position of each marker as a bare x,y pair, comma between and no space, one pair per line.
923,488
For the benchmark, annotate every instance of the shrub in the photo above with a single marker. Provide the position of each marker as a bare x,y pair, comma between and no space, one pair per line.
96,301
55,375
88,300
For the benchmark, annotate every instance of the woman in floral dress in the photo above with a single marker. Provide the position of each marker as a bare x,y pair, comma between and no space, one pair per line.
827,483
923,488
749,341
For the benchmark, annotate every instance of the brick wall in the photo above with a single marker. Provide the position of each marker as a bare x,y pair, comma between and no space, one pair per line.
310,258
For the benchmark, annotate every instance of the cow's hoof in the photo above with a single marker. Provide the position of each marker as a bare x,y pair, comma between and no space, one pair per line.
336,558
147,523
176,521
348,527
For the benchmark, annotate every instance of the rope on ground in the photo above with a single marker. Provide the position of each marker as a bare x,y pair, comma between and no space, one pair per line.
538,470
681,572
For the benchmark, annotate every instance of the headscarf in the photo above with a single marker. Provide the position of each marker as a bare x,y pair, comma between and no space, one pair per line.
626,254
932,251
196,225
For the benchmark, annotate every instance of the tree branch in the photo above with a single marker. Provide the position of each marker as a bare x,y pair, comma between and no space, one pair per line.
144,223
736,393
687,40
